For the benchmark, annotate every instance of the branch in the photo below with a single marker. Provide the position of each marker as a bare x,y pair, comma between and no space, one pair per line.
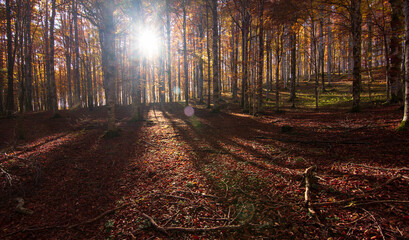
381,168
308,174
165,230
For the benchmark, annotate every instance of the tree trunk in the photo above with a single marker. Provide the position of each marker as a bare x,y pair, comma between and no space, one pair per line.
260,62
293,67
209,80
329,49
185,63
201,77
10,62
321,51
169,64
356,22
53,89
215,32
404,124
77,88
396,51
28,61
109,60
244,51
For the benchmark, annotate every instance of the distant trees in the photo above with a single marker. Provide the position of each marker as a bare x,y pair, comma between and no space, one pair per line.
67,54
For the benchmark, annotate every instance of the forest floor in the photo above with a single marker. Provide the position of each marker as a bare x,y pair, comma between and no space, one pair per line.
223,175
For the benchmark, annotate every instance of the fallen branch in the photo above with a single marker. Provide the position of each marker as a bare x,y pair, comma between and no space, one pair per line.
7,175
196,193
308,174
381,168
312,141
377,223
165,230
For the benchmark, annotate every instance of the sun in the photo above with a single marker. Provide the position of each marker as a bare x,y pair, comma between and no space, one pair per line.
149,43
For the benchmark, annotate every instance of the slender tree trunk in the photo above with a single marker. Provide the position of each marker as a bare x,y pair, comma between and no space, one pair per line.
293,44
356,22
169,64
329,49
28,61
77,88
321,53
279,47
10,62
234,62
201,77
244,50
260,62
215,32
1,80
185,63
53,88
209,79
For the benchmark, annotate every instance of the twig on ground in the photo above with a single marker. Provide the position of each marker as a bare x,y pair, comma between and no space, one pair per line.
165,230
196,193
7,175
377,223
99,216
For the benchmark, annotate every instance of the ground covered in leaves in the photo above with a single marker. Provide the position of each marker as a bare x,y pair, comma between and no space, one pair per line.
225,175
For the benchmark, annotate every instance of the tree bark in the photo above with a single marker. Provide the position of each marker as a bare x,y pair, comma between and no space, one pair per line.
215,32
404,123
293,39
185,63
77,88
53,89
110,60
356,22
169,64
28,61
260,62
10,62
396,51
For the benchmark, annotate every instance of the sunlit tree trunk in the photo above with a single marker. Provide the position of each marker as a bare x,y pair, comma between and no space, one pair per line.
169,65
404,124
356,22
185,63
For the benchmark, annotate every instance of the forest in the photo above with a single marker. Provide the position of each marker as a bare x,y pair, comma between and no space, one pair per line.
204,119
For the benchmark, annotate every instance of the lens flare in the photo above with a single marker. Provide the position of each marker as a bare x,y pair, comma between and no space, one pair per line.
189,111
